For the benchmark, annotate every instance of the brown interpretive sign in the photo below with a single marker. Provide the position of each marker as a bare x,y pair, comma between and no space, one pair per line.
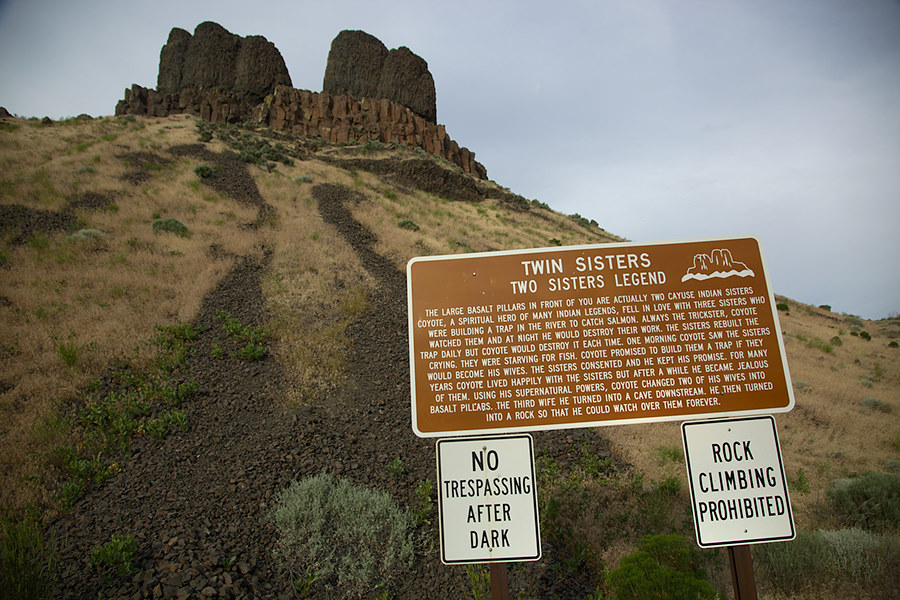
583,336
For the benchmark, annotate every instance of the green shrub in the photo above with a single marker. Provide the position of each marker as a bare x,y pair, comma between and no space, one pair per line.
253,338
580,220
865,335
69,351
665,566
893,344
70,492
253,352
373,145
304,179
783,306
871,501
825,307
115,557
862,556
791,566
204,171
159,427
876,404
85,235
408,224
836,341
351,538
170,225
27,562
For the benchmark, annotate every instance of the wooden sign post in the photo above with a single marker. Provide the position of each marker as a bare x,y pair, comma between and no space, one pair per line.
739,492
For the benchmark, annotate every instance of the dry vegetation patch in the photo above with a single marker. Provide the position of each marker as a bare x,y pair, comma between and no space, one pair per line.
77,299
98,262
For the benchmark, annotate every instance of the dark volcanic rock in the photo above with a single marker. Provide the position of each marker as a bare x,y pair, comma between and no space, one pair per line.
359,65
171,60
405,79
215,58
354,65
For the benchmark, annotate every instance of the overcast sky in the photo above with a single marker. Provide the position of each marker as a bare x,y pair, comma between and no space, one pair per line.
660,119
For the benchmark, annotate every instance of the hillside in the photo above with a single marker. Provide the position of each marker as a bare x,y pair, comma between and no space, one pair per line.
194,315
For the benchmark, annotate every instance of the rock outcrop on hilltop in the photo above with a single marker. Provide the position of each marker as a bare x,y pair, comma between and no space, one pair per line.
341,119
359,65
214,58
371,93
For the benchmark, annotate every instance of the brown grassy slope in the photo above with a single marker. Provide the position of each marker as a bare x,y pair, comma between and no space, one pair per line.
99,301
70,309
846,420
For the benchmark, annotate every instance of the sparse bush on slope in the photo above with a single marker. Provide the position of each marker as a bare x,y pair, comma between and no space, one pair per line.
344,539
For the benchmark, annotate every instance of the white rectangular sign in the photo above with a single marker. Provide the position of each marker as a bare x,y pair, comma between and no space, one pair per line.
488,500
739,493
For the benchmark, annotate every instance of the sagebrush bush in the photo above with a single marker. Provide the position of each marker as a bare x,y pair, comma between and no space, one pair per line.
862,556
871,501
85,235
352,538
841,559
170,225
204,171
665,566
793,565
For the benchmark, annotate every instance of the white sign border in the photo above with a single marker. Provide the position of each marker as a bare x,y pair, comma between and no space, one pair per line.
537,516
787,495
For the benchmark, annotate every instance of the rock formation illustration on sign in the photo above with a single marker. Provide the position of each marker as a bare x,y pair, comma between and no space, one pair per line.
719,263
369,93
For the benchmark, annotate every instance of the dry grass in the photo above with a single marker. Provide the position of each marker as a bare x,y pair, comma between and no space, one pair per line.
72,308
450,227
316,285
832,431
69,309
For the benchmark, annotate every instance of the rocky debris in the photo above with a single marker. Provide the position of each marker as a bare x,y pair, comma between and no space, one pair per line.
214,58
142,165
197,501
4,113
359,65
22,222
422,174
341,119
231,179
